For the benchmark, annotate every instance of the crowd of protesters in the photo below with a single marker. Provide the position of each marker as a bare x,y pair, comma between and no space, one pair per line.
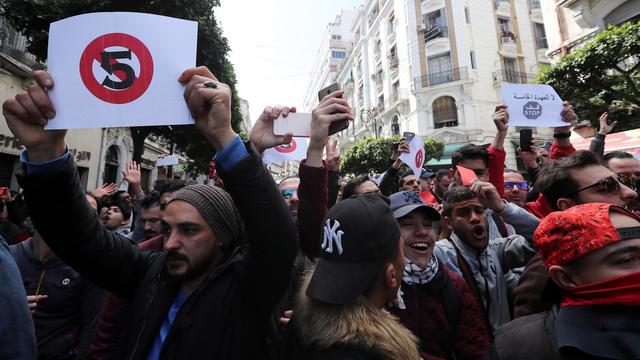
540,265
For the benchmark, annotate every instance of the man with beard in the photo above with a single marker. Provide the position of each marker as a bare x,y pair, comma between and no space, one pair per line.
150,215
435,304
208,296
484,263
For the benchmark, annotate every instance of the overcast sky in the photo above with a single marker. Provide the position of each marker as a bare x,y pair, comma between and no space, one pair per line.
274,44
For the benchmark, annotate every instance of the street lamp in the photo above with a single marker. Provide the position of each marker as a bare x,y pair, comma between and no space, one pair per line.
366,116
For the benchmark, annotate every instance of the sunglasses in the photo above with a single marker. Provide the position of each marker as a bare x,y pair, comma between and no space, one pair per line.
287,193
522,185
627,181
610,184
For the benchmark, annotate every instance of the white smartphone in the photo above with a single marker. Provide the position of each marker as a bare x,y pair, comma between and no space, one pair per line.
299,124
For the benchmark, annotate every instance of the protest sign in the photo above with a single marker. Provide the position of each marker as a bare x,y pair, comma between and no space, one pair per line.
532,105
415,158
296,150
466,175
115,69
167,160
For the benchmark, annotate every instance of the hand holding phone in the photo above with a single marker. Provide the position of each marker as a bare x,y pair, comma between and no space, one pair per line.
335,126
408,136
526,136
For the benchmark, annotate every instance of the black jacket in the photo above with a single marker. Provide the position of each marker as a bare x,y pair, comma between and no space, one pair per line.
226,316
65,322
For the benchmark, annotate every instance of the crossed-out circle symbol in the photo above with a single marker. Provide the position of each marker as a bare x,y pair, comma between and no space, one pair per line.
287,148
116,82
419,158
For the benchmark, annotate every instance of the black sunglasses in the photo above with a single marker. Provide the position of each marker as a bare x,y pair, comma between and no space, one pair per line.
610,184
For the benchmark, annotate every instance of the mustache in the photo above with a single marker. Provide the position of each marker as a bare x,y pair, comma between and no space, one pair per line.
174,255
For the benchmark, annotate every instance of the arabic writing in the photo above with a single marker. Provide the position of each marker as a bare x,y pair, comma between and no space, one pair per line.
528,96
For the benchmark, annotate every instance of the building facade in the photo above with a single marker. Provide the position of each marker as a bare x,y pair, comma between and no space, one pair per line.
435,67
331,54
571,23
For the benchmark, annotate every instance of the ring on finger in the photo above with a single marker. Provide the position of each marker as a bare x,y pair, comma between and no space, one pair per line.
210,84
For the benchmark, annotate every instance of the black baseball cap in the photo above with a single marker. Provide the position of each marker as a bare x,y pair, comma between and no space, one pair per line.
404,202
360,234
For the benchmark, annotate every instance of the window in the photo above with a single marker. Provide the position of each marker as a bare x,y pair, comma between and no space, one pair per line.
472,55
391,26
338,54
380,103
395,127
395,91
506,32
435,25
534,4
440,69
445,112
467,15
540,35
111,166
511,73
336,37
145,176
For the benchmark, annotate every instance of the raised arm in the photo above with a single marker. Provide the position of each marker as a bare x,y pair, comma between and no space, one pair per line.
64,218
313,173
270,229
496,152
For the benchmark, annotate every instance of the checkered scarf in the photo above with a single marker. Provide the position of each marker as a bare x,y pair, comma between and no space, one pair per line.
413,274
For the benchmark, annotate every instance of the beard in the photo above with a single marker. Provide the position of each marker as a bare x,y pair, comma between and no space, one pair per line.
193,271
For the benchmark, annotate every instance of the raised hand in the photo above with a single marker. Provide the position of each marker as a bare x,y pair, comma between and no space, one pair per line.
501,118
209,102
333,156
262,136
332,108
605,127
105,190
529,158
27,114
132,173
487,195
133,176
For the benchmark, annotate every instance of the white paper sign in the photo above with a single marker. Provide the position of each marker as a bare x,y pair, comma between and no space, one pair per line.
297,150
120,69
415,158
167,160
532,105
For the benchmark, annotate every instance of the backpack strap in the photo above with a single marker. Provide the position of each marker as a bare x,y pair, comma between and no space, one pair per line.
452,308
467,274
502,227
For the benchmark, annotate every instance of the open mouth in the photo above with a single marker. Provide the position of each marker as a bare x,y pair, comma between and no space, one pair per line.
421,247
478,230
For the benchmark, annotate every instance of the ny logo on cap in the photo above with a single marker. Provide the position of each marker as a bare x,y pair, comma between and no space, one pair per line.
332,235
412,197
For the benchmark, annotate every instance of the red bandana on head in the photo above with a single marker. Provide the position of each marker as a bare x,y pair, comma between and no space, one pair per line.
624,290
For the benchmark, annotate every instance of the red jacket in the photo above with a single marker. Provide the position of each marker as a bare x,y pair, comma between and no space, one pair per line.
426,317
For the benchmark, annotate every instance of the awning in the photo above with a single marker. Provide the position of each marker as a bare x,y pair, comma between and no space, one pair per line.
628,141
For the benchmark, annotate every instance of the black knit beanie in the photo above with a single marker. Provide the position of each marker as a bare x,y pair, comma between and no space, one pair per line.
218,210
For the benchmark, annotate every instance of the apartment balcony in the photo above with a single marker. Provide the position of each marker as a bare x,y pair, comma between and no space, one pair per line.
391,38
379,85
515,77
435,32
393,67
442,77
13,47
